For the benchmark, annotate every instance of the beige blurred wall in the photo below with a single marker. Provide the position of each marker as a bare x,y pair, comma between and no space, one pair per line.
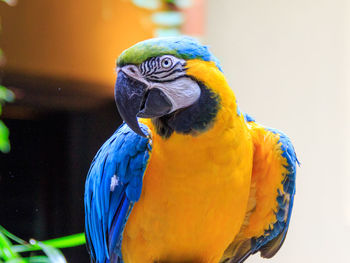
288,63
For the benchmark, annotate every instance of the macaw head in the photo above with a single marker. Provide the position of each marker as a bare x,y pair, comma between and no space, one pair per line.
170,80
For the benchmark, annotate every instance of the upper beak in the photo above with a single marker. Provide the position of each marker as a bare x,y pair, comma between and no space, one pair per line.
135,99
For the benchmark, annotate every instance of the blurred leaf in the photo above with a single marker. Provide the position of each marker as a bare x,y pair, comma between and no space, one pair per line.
54,254
12,236
6,95
9,253
67,241
149,4
4,138
167,32
16,260
168,18
62,242
6,251
183,3
39,259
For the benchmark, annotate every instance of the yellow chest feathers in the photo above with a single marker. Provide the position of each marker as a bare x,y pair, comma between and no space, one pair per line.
193,199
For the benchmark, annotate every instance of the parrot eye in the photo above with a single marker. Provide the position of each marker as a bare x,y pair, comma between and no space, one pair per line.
166,62
163,68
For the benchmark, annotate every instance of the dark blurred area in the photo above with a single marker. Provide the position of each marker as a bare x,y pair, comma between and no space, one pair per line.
52,145
42,178
55,131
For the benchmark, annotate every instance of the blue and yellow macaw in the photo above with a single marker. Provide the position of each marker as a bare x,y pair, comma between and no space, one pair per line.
187,177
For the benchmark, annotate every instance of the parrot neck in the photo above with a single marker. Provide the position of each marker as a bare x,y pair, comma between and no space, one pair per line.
197,118
216,108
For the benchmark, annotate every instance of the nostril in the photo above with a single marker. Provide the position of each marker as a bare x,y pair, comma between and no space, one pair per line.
132,70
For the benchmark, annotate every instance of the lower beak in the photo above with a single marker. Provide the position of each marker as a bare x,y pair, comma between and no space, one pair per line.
133,100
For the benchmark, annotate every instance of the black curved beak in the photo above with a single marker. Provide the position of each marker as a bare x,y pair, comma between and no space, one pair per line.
134,100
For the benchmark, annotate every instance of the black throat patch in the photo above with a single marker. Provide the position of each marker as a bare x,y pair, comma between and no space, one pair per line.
194,119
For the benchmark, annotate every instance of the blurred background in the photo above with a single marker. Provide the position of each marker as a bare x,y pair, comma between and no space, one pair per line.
287,61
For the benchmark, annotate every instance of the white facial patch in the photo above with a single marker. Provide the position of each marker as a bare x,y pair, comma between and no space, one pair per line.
182,92
168,74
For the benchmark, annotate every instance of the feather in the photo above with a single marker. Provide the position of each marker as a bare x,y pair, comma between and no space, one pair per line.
279,165
113,184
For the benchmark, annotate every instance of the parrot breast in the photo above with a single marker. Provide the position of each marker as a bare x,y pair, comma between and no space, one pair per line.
194,196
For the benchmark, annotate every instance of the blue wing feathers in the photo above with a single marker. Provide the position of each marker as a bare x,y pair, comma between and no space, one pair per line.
273,238
118,223
248,118
113,184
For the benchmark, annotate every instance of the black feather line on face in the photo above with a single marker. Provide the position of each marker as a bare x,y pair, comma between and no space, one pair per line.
197,118
167,80
169,69
152,67
142,68
158,63
159,78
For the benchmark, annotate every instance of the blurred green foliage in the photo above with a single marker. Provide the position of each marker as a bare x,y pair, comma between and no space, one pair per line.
169,19
15,250
5,96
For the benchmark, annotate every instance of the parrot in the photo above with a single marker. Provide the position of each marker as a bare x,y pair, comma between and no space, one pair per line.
187,177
